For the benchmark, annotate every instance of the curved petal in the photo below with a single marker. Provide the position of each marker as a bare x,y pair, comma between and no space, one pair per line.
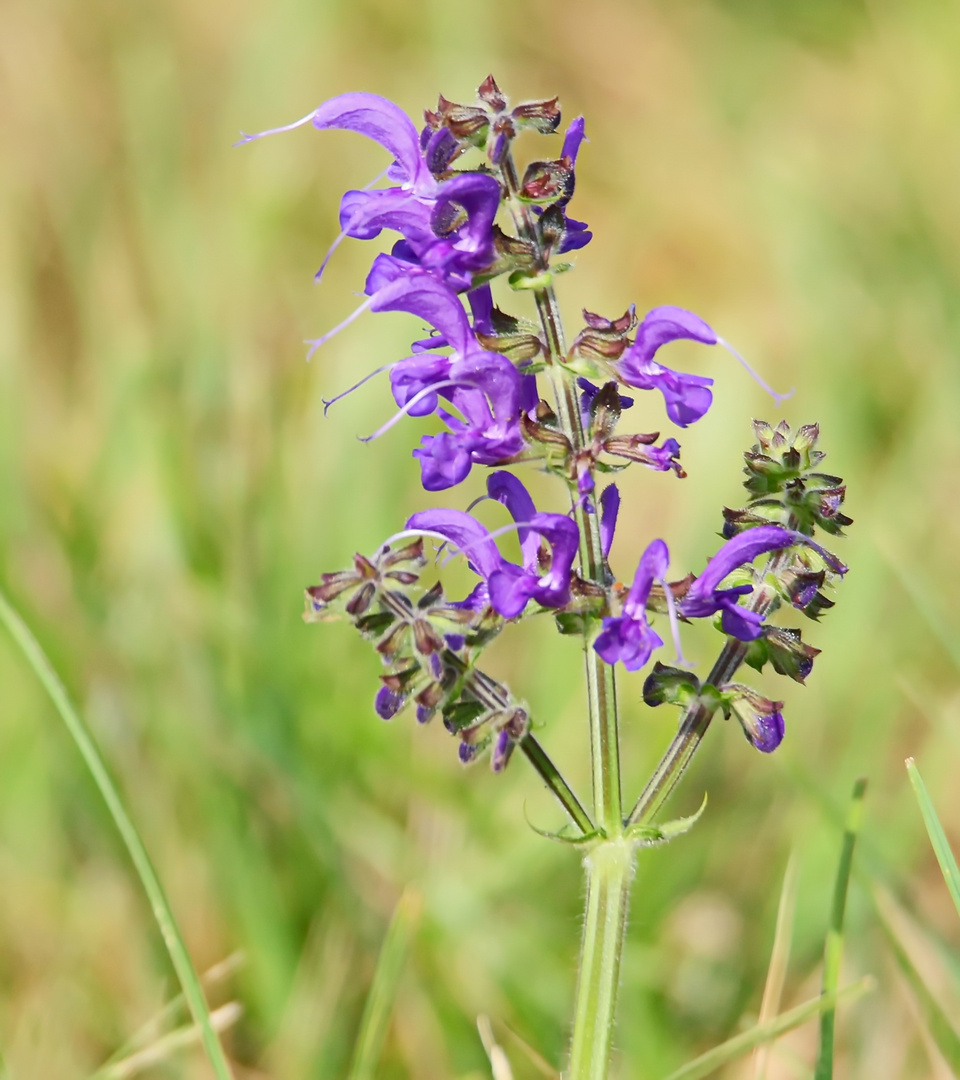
364,213
444,461
665,324
411,376
401,287
508,490
466,533
510,589
652,567
743,548
382,121
609,510
572,140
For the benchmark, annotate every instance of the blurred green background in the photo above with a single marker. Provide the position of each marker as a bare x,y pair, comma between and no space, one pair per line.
168,486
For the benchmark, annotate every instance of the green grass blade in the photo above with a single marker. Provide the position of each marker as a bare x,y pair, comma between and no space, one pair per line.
779,960
764,1033
383,990
937,1022
173,939
834,945
941,848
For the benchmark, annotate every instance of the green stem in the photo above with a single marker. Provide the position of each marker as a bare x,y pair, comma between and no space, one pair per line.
551,776
696,719
170,931
609,864
609,869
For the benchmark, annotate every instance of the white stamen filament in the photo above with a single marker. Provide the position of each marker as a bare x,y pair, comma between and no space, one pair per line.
419,396
357,385
674,623
756,377
315,343
406,534
275,131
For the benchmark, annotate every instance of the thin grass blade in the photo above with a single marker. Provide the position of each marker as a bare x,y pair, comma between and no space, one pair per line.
153,1030
779,960
383,990
833,949
148,1057
936,1020
169,929
938,838
764,1033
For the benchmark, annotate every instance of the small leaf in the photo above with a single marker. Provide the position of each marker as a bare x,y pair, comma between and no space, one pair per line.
649,835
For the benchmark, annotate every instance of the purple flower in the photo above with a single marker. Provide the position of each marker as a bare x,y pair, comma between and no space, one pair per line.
704,597
506,586
609,509
447,227
760,718
576,233
687,397
629,637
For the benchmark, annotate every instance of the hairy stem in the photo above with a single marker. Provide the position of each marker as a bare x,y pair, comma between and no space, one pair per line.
609,869
610,862
601,685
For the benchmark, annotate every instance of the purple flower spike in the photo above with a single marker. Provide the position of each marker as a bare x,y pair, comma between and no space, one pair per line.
687,397
609,509
704,597
629,638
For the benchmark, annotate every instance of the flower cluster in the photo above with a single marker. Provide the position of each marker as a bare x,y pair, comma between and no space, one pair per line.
467,220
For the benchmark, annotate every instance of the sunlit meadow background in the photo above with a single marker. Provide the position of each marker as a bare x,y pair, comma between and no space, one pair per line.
169,484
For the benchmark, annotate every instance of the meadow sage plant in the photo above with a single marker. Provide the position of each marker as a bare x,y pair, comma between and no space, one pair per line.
510,393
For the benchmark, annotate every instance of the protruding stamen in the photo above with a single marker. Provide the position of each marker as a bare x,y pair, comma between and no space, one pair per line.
753,374
315,343
674,623
406,534
509,527
356,385
275,131
419,396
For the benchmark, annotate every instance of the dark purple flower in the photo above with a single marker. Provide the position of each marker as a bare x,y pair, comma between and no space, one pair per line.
609,509
628,637
687,397
506,586
388,703
589,391
760,718
705,598
576,233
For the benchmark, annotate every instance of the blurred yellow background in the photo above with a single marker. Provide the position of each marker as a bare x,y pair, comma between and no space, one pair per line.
168,485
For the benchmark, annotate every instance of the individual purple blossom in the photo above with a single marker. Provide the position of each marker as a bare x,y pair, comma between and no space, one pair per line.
487,432
506,586
686,397
388,703
628,637
426,212
705,598
760,718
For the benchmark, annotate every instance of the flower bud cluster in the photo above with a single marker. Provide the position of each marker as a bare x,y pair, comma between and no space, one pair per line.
428,646
787,500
